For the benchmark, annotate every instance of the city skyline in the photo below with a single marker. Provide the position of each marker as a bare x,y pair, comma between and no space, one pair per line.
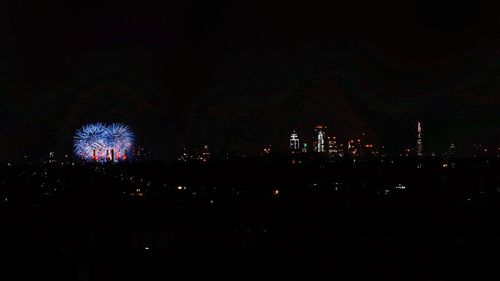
321,142
205,72
249,140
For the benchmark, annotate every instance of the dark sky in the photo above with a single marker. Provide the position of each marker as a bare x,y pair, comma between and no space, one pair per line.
239,73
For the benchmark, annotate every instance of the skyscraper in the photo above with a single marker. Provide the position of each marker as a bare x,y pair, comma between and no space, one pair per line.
332,146
320,141
294,142
420,144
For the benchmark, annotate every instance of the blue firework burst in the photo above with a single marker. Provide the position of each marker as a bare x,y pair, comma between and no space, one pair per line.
101,142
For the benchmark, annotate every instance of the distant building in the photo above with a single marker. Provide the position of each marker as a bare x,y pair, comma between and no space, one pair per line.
353,148
334,150
332,143
52,158
294,142
320,142
184,155
305,148
267,149
420,144
205,154
451,151
407,152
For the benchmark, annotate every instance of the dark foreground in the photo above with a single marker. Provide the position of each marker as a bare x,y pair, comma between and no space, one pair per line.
250,222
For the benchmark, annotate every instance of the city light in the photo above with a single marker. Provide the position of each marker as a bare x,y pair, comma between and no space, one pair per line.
400,186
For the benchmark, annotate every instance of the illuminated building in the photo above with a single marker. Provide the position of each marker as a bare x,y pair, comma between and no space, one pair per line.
341,151
353,148
304,148
205,154
51,157
450,157
333,147
420,144
294,142
320,140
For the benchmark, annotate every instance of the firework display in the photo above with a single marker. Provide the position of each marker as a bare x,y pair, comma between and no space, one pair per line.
103,143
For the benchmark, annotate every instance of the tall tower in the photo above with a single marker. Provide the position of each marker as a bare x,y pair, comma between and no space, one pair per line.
420,144
294,142
320,141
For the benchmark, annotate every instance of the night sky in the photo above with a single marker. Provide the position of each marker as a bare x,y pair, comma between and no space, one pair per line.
237,74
